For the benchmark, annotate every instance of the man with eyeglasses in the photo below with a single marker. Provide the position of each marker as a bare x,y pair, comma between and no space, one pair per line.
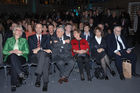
118,49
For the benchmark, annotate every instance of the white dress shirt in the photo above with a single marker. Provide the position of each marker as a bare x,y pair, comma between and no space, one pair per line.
38,37
62,38
86,35
98,39
118,46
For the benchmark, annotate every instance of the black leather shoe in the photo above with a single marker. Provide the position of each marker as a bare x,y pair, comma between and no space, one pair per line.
113,73
13,88
45,87
37,83
136,75
122,77
106,78
22,75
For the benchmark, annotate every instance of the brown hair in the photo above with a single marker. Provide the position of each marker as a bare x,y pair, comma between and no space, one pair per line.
77,30
100,30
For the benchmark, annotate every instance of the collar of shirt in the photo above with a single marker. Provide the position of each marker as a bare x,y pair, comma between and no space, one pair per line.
38,37
69,35
86,34
98,39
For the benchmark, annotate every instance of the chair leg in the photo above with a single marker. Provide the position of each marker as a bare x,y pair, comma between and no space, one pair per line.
5,72
54,68
29,68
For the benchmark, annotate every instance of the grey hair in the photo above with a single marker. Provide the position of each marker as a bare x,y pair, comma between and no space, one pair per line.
62,29
18,26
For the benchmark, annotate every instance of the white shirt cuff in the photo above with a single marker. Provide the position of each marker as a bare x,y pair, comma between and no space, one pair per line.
63,41
116,51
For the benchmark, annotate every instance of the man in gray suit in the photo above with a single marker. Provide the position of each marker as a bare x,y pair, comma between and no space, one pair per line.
39,46
61,54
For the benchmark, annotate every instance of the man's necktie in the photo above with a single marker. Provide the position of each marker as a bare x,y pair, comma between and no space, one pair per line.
38,42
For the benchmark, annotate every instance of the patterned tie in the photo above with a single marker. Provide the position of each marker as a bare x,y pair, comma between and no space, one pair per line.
38,42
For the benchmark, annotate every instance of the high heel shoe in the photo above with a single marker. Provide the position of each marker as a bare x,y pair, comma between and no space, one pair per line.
106,78
113,73
82,77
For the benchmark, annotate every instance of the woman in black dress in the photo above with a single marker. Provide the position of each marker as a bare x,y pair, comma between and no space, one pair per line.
98,51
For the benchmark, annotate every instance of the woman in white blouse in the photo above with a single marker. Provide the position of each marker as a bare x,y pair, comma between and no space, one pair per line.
98,52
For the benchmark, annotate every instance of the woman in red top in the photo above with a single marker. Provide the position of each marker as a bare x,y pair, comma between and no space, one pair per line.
80,50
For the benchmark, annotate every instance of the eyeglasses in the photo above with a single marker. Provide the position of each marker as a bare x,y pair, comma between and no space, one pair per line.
18,30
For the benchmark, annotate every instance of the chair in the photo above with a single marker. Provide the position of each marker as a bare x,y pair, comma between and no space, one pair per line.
6,66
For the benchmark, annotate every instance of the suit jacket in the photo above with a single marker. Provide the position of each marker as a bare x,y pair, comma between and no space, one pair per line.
96,46
89,38
61,51
22,44
112,43
45,42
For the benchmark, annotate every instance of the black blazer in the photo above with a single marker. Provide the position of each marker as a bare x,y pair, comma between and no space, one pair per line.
89,38
112,43
96,46
45,42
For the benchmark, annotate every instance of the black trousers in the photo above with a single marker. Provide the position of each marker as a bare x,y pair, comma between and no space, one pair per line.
16,63
124,54
83,63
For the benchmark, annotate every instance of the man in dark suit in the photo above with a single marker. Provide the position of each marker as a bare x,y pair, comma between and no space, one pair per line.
61,54
117,48
87,34
39,46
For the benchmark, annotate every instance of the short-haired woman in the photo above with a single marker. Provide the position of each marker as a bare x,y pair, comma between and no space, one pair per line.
16,51
98,51
80,50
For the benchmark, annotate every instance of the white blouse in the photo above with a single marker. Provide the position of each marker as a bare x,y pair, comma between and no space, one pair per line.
98,39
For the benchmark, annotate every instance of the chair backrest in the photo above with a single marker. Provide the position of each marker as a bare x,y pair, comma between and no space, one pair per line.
1,55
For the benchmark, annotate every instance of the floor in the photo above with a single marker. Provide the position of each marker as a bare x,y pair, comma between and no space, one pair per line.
75,85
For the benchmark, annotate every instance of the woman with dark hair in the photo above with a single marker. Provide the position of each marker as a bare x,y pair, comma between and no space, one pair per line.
80,50
98,51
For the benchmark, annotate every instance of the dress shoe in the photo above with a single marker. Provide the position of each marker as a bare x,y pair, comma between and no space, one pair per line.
113,73
60,80
106,78
65,80
122,77
22,75
45,87
37,83
13,88
136,75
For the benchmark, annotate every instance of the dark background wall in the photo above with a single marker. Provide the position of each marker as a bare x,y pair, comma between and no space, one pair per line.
113,4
